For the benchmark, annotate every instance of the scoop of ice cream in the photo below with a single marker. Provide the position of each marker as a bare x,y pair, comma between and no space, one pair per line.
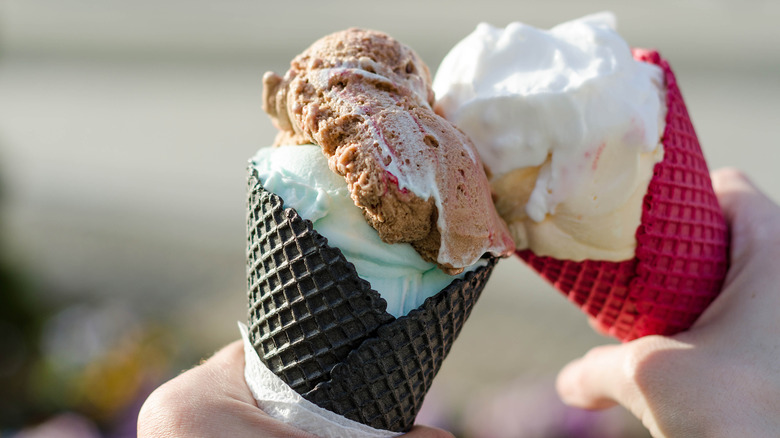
301,177
570,126
365,99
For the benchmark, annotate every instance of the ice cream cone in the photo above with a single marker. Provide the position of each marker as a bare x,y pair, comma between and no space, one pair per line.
682,243
325,332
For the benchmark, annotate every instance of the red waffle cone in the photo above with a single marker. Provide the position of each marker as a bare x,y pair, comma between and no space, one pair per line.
682,243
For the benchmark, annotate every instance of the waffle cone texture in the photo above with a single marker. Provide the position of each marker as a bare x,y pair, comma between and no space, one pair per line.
326,333
682,243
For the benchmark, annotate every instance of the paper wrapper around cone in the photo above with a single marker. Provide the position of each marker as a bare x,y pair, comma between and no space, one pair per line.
325,332
682,243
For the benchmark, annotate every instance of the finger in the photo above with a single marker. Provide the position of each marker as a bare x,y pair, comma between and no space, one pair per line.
598,327
736,192
210,400
730,185
226,369
596,380
420,431
752,216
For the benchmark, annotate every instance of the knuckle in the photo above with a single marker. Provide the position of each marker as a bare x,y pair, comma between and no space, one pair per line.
651,361
638,369
729,173
162,413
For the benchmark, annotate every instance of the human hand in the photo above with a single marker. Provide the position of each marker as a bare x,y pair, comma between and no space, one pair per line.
722,377
213,400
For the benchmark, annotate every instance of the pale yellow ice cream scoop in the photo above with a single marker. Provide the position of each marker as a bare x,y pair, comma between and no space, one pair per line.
569,124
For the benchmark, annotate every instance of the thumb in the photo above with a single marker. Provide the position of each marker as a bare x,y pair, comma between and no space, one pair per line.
754,219
598,380
613,374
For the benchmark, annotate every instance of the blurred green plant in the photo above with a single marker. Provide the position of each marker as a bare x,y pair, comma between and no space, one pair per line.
96,382
21,322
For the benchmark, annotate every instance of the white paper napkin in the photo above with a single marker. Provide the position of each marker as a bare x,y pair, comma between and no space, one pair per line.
282,403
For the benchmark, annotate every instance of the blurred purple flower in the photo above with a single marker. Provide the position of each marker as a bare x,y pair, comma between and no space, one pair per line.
68,425
532,409
436,411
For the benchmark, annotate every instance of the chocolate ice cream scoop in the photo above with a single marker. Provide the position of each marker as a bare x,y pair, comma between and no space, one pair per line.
366,100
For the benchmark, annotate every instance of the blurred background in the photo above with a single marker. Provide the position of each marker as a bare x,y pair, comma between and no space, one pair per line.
125,127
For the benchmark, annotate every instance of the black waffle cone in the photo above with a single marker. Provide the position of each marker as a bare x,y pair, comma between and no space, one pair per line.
383,382
326,333
307,307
